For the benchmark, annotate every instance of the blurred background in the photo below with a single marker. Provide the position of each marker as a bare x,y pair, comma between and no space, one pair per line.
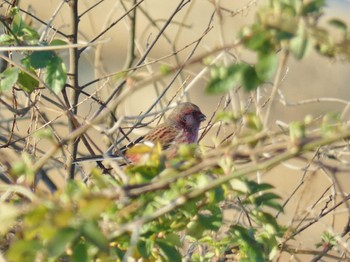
314,77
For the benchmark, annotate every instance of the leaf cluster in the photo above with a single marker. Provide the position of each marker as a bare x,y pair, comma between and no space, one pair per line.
33,63
288,26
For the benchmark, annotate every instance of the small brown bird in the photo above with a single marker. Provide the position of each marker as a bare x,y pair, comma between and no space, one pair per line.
180,127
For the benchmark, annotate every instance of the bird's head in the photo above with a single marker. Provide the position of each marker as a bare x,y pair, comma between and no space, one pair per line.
187,116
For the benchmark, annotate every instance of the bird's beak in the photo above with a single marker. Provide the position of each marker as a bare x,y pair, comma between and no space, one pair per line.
202,117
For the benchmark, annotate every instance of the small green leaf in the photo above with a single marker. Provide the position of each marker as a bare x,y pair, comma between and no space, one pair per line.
142,174
168,251
21,249
61,241
173,239
266,66
210,221
58,42
297,133
257,38
250,79
224,78
44,133
300,44
314,6
92,208
217,195
17,24
266,219
18,168
239,185
248,244
255,187
195,229
225,117
253,121
80,253
338,24
93,234
56,74
6,39
260,200
274,205
21,30
145,247
26,82
8,78
40,59
165,69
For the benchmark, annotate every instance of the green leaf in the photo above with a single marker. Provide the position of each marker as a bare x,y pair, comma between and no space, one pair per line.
143,173
248,244
92,208
61,241
17,24
267,220
210,222
173,239
45,133
314,6
21,249
168,251
224,78
80,253
266,66
40,59
239,185
93,234
6,39
56,75
253,121
300,44
195,229
58,42
338,24
250,79
274,205
265,197
225,117
297,133
145,247
22,31
8,78
217,195
257,38
255,187
165,69
26,82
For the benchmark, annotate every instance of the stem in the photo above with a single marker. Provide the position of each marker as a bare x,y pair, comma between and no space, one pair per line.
276,86
73,81
131,55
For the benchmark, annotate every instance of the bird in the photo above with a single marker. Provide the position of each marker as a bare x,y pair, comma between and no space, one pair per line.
180,127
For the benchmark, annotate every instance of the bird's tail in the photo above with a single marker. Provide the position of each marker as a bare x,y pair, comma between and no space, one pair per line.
98,158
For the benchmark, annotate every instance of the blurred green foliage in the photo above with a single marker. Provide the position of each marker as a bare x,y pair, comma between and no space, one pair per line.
25,75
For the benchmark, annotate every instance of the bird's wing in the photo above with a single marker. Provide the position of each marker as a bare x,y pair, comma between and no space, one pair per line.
163,134
131,144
